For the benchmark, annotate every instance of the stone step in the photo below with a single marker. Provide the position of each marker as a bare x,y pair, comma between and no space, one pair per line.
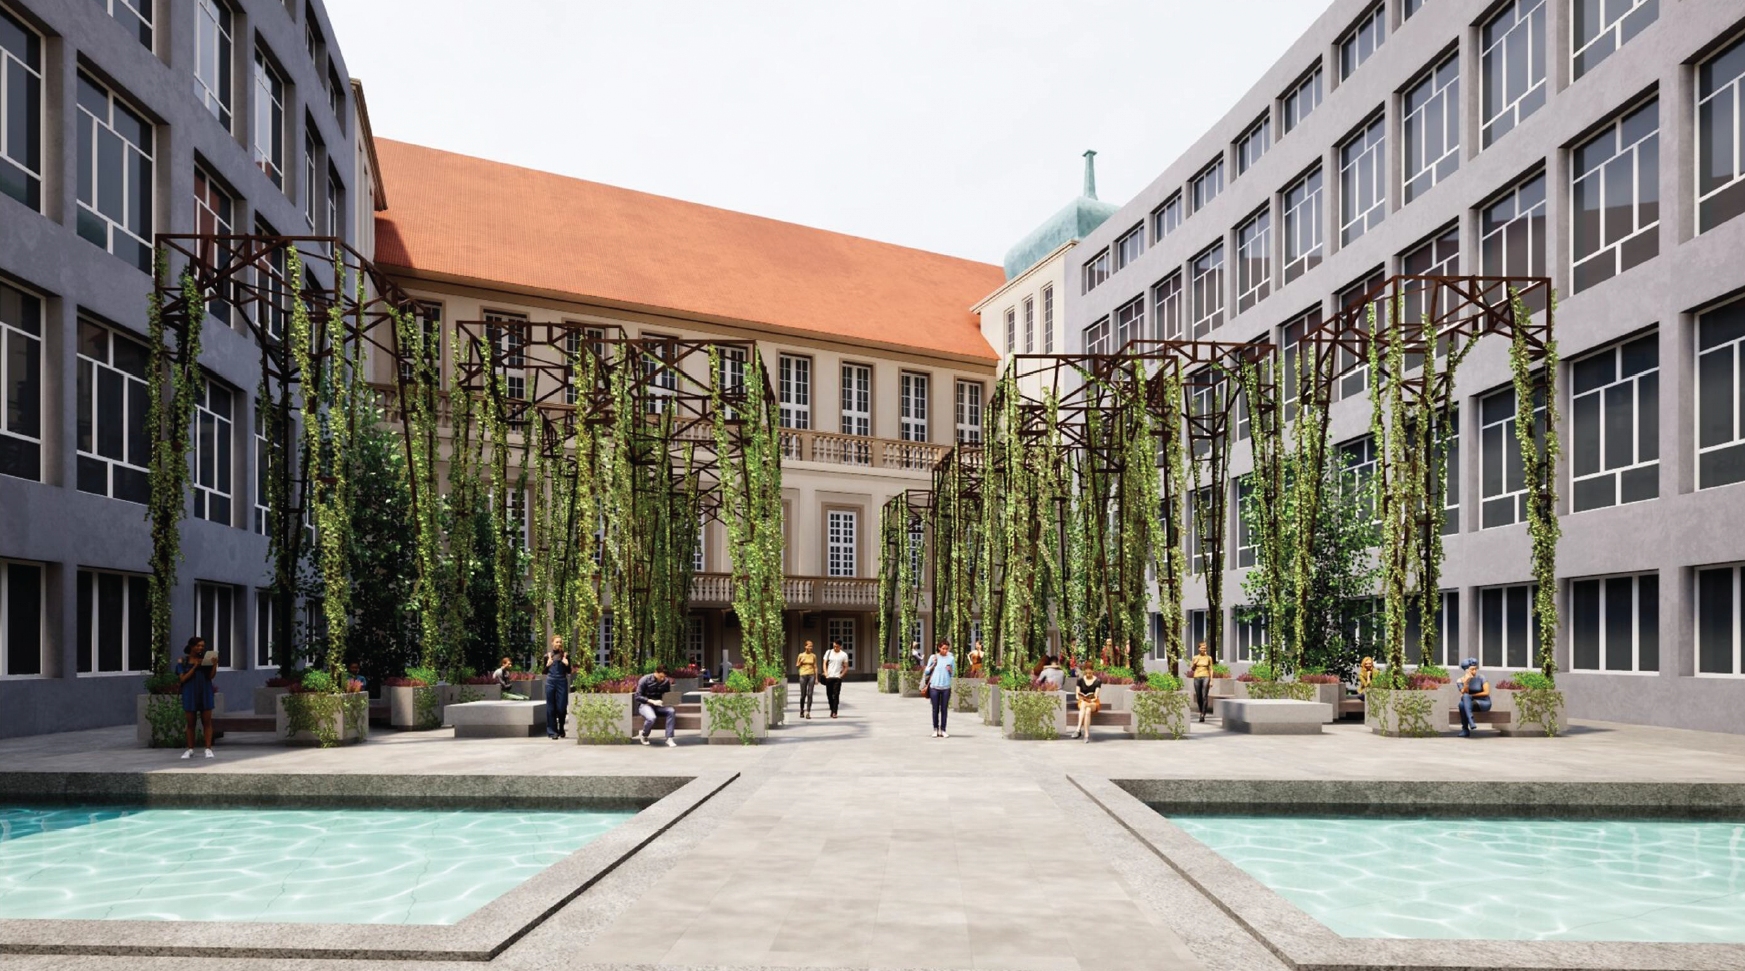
684,723
244,723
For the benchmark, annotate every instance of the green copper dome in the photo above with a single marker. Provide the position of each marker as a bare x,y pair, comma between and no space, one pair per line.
1074,221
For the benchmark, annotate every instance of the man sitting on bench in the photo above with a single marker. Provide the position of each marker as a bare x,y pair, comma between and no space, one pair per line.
1475,695
650,692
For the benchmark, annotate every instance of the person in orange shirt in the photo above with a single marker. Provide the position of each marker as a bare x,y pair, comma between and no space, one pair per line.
807,666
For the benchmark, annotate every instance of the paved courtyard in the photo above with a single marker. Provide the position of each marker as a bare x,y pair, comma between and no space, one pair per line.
865,842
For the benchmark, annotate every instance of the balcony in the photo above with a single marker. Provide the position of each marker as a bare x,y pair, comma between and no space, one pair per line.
801,593
859,451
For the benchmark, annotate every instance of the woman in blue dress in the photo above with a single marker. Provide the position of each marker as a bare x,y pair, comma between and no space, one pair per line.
194,673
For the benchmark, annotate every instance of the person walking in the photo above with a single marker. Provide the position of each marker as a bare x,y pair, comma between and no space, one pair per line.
807,666
835,668
650,692
194,673
557,689
1202,674
937,679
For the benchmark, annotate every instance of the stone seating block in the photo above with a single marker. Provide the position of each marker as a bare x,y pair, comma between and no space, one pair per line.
1274,717
497,719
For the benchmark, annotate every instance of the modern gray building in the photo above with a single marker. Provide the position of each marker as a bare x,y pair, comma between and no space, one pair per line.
1599,143
120,119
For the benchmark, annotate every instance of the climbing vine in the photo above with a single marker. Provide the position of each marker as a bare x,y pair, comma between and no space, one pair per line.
168,421
1540,449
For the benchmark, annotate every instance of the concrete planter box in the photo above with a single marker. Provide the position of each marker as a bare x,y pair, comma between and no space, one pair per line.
1115,697
1330,695
735,719
685,685
1225,687
887,681
602,719
349,721
964,696
142,724
1051,726
910,682
1160,715
404,704
988,702
1544,713
534,690
266,700
776,703
1408,712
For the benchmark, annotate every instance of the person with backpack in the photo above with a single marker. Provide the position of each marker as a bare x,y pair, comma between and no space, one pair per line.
936,683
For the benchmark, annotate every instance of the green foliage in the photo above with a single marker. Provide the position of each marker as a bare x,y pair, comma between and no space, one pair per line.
1121,671
1542,706
315,713
1220,670
752,475
163,713
1160,714
384,558
1263,671
738,682
1533,681
1293,690
1033,713
1434,671
1540,448
739,713
426,712
1012,680
162,682
1163,681
167,424
1402,711
599,719
428,675
316,680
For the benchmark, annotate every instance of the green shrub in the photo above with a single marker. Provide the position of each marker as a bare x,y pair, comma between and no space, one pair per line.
162,683
1119,672
425,674
1434,671
318,682
1220,670
738,683
1533,681
1163,681
1013,681
1262,672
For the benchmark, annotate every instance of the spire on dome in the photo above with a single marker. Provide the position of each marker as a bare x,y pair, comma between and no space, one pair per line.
1090,173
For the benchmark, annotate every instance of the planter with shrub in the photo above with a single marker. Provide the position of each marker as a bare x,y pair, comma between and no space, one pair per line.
988,700
735,712
777,691
1160,708
266,697
888,679
1534,704
158,719
602,709
1117,690
909,680
414,701
323,712
1329,690
1030,714
1417,710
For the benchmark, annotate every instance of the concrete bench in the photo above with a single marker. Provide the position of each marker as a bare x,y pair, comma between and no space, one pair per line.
497,719
1492,717
687,717
1104,716
1281,716
242,722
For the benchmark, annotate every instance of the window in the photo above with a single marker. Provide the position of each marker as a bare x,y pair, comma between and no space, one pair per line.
1250,626
1205,186
1504,496
22,605
796,391
263,467
733,361
1721,137
1129,246
1720,405
969,412
917,546
336,95
1096,270
1011,331
841,559
1451,475
115,177
114,623
603,640
1207,289
913,410
1130,321
856,399
335,225
428,315
508,335
1253,143
1167,218
266,630
1353,370
1253,260
694,641
21,384
272,272
1614,424
214,619
1508,634
1166,307
212,58
515,516
1302,225
1361,460
114,451
1447,630
311,185
1048,320
1196,629
1617,197
1512,236
1097,337
1511,68
213,213
700,554
841,631
1247,538
1294,329
210,451
1410,7
1362,40
1200,518
20,112
1438,256
1719,609
1615,623
1600,27
1300,100
1362,192
135,15
1029,326
269,120
1431,128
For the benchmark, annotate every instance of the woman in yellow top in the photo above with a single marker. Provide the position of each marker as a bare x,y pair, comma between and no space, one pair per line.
807,663
1202,674
1365,674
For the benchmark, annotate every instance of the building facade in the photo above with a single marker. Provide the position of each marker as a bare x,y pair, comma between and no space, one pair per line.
121,119
1599,145
871,349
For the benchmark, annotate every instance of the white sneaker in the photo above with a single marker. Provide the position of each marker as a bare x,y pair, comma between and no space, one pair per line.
671,744
208,753
188,754
944,734
936,733
643,739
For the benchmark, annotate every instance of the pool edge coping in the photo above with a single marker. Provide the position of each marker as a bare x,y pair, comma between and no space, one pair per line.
480,936
1303,942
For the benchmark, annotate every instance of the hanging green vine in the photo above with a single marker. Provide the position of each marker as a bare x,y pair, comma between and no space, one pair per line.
168,422
1540,449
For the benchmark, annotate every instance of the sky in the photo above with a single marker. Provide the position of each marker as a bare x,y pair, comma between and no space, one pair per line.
949,125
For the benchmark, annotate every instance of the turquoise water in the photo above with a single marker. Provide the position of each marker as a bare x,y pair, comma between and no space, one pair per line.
1496,879
345,866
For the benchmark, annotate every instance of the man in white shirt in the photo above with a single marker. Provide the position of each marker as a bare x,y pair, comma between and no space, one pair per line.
835,666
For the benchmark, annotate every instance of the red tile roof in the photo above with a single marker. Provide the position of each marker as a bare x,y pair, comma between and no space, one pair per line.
458,217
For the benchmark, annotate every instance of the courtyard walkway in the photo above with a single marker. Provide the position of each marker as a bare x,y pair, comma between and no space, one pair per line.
865,842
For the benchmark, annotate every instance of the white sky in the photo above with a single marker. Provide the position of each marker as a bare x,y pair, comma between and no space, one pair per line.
949,125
